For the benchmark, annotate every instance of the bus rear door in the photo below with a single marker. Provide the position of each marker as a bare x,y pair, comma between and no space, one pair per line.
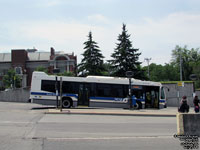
83,95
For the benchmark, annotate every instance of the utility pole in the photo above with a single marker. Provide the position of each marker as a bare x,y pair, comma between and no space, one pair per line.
148,60
181,72
61,104
56,88
129,74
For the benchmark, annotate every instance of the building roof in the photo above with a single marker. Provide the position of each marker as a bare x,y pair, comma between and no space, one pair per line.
5,57
32,56
36,56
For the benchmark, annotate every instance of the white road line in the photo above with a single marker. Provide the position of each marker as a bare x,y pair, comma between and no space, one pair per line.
107,138
11,122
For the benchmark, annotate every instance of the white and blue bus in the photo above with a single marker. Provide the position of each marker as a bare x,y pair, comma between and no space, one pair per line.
96,91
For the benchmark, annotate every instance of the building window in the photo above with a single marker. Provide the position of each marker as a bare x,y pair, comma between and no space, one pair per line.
18,70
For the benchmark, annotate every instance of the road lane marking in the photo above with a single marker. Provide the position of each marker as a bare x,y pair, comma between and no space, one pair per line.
15,122
104,138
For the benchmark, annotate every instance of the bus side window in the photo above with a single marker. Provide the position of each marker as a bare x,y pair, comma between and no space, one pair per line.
138,94
103,90
70,87
48,85
92,89
117,91
125,90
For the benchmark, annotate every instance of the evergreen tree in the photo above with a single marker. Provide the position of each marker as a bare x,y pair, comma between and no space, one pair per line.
125,57
92,63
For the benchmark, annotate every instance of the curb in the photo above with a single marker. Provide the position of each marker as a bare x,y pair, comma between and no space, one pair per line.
112,114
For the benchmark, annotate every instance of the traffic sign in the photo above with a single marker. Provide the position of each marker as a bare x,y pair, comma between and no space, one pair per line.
181,84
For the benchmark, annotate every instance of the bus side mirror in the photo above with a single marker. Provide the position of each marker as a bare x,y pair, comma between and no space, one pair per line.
166,88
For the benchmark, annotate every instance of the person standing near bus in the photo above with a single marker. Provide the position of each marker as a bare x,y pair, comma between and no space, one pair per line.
134,101
196,104
184,106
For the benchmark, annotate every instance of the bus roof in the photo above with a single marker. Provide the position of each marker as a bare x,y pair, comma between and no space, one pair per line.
97,79
121,80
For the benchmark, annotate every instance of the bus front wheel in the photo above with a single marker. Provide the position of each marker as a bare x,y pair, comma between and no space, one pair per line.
67,103
138,105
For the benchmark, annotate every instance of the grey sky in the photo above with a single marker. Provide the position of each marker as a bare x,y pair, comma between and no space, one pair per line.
156,26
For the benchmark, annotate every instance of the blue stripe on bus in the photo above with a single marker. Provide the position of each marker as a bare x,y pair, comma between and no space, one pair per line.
39,93
52,94
96,98
103,98
162,101
142,100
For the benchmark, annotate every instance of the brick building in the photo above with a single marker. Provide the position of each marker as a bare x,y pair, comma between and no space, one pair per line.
26,61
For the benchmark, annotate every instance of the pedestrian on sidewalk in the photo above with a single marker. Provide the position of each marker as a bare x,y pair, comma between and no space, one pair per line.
196,104
184,106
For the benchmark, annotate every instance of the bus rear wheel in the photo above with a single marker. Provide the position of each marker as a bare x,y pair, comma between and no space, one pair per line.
67,103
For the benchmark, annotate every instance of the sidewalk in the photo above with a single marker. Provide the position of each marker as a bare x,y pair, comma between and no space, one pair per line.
166,112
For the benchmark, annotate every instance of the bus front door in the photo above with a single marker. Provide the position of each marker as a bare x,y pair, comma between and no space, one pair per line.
83,96
152,97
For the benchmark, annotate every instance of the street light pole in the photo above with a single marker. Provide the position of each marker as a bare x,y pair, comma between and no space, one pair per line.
129,74
130,94
148,60
61,104
181,72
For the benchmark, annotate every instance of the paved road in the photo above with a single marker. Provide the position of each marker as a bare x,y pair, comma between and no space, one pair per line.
22,128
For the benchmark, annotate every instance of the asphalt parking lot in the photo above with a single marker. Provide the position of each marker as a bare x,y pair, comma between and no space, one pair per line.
25,126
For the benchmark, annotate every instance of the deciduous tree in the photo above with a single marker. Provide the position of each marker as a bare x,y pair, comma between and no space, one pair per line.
11,79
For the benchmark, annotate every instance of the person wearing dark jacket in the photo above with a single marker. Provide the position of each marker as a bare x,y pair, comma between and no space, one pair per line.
196,104
184,106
